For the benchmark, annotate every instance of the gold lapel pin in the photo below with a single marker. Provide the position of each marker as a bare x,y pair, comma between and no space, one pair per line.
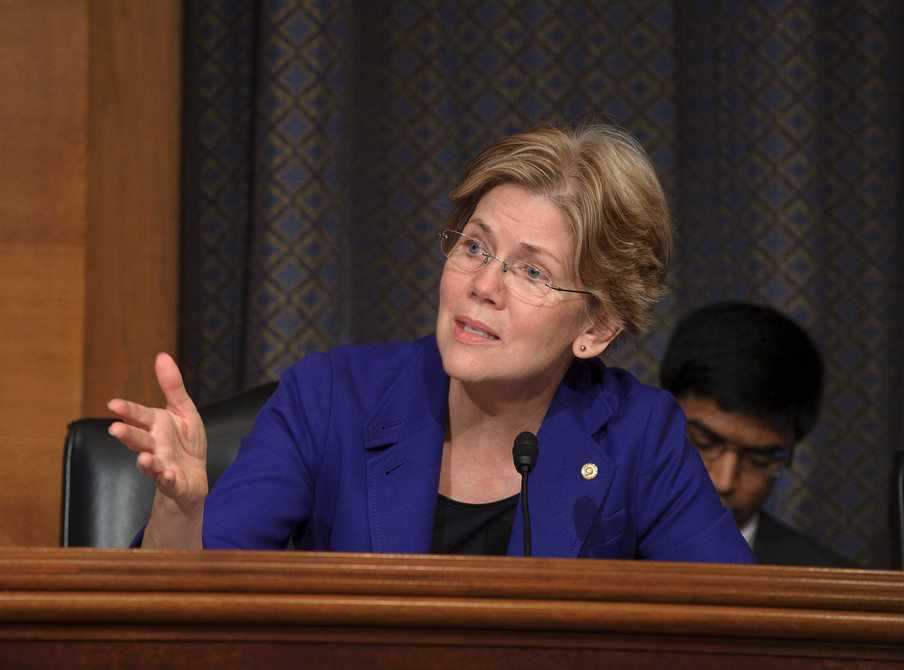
589,471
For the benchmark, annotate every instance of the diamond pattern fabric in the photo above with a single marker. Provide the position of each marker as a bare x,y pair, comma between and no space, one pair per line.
322,140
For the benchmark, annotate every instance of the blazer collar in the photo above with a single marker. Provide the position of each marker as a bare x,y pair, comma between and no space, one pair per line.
563,496
405,434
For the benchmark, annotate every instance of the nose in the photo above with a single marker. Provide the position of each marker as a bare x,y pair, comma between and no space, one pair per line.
724,472
488,280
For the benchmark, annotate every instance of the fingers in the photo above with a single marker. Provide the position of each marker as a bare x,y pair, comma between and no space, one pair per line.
132,413
171,443
135,438
164,479
170,380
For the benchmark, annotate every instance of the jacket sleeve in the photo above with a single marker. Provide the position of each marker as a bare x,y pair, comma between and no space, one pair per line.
680,515
265,497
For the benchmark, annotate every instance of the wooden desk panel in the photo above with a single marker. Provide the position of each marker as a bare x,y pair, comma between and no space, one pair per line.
153,609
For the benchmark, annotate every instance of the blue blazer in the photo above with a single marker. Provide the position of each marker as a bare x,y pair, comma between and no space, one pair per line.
346,457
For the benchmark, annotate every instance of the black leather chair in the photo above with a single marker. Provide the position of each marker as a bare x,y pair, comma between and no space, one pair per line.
896,512
106,500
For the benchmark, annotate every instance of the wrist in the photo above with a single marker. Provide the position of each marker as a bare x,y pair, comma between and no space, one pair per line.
183,508
174,525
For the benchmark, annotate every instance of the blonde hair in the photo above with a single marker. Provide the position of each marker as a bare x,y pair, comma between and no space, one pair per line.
602,181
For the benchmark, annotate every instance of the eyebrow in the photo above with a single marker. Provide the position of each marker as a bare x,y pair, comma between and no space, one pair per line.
529,248
713,435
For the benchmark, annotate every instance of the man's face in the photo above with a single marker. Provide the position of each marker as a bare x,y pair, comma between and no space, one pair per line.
741,454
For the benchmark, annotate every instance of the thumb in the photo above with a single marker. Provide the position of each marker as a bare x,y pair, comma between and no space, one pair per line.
170,380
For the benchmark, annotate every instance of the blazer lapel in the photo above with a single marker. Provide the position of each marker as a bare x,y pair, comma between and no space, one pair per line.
404,441
564,498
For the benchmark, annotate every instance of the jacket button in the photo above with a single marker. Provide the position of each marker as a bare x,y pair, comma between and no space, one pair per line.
589,471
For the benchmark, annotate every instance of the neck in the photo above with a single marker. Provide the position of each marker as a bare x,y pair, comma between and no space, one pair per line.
477,453
483,410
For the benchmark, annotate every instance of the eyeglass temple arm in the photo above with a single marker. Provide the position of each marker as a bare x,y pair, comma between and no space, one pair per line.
568,290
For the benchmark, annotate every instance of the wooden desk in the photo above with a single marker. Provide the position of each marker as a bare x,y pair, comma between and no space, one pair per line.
90,608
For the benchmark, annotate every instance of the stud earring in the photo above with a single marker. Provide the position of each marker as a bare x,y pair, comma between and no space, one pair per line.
583,348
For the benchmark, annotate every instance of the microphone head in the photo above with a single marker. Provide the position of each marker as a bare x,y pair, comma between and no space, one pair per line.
525,451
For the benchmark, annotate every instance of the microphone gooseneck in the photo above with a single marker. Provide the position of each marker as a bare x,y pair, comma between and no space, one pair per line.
525,454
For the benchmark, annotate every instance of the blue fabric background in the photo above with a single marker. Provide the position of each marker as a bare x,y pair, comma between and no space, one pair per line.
322,139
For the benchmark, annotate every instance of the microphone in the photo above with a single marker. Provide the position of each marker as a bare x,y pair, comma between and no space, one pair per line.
525,454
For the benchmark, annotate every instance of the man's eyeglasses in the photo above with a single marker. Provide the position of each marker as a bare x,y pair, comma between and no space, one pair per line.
524,279
768,460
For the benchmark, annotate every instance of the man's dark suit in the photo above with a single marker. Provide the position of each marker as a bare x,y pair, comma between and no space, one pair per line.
777,544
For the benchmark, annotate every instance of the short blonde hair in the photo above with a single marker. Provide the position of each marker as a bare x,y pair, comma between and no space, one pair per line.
604,184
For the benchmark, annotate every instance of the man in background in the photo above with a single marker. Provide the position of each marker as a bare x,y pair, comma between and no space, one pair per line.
750,382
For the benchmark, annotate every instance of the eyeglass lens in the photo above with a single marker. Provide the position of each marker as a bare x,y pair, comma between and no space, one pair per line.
756,460
525,279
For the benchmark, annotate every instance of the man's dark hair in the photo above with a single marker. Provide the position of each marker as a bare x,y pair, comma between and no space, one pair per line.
749,359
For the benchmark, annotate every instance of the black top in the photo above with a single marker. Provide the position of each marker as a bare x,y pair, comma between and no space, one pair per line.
465,528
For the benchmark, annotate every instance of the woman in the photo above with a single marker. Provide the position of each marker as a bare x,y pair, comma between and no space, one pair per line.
557,243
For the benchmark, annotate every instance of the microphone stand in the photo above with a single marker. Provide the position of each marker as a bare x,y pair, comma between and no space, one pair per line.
524,453
525,512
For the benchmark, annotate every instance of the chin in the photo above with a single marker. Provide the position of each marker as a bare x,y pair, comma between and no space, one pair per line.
466,372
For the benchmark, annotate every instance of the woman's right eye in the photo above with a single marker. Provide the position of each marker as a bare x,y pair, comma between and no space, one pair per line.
475,248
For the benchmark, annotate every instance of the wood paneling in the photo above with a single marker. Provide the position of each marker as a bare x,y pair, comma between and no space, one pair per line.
89,163
43,73
41,297
134,94
43,76
222,609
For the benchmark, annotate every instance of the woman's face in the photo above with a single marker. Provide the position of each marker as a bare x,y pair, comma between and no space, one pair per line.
486,332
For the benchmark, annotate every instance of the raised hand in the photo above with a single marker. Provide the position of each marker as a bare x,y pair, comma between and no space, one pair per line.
171,443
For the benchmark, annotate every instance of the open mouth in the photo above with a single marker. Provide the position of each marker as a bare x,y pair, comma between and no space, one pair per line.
478,331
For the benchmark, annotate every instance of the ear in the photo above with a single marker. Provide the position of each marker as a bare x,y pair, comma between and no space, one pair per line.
594,339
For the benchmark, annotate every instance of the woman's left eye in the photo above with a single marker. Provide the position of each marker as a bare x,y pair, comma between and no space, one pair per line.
533,273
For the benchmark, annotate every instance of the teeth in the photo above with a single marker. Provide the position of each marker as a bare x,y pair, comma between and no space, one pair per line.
482,333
